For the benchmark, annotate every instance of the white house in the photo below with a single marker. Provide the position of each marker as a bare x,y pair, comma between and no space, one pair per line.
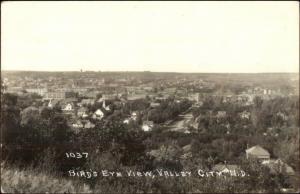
126,121
226,168
221,114
147,125
154,104
78,124
245,115
99,114
68,107
50,104
85,115
133,116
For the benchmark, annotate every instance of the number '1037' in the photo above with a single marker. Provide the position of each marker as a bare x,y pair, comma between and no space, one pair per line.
77,155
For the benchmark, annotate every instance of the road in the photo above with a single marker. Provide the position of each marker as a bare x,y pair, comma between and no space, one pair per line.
181,122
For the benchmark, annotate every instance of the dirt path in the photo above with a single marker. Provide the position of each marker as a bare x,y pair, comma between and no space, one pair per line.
181,123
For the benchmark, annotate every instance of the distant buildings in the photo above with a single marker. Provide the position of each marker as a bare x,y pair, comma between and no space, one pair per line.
17,90
154,104
39,91
55,95
195,97
68,107
82,124
136,96
89,101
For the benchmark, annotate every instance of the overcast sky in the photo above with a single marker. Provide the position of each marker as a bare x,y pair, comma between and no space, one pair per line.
154,36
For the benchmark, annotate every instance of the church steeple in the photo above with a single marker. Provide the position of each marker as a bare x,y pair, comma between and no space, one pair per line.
103,105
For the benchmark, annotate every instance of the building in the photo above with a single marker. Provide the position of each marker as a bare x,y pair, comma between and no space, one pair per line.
98,114
147,125
39,91
108,97
126,121
154,104
68,107
221,114
82,112
17,90
104,106
162,97
91,94
278,166
77,124
195,97
89,125
245,115
282,116
257,152
55,95
79,90
88,101
133,116
136,96
53,103
226,168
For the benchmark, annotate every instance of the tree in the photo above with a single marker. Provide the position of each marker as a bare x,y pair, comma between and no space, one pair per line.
10,118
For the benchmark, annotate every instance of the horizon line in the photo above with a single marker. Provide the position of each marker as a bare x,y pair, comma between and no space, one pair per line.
99,71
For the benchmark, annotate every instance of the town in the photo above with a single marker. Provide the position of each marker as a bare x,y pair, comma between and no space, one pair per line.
218,122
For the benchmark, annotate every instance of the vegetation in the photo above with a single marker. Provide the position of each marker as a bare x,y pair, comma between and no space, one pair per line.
32,181
35,142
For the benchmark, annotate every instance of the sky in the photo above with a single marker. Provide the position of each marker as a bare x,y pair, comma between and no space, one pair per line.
219,37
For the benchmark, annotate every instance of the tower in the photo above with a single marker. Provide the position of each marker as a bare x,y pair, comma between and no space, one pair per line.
103,105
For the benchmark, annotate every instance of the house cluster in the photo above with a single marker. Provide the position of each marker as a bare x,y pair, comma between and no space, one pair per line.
133,117
265,93
80,116
146,125
241,99
276,165
263,156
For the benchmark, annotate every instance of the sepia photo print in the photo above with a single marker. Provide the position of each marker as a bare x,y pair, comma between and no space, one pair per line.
150,97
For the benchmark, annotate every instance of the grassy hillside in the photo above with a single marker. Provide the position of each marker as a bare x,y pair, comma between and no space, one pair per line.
29,181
